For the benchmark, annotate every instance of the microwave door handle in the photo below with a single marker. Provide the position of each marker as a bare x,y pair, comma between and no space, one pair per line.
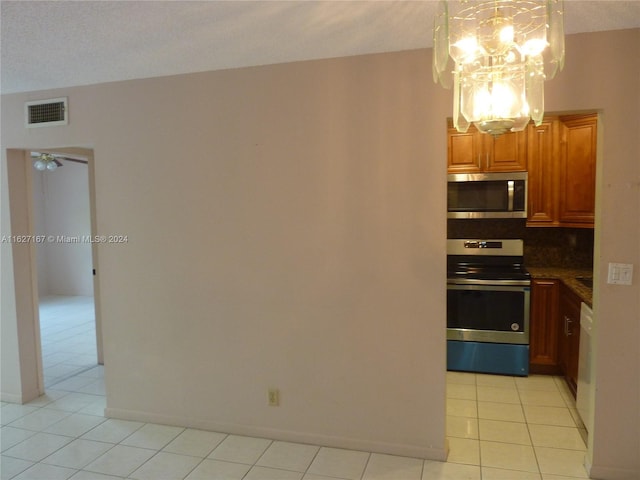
510,193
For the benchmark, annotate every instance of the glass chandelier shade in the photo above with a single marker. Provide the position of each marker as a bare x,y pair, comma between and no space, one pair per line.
45,161
497,54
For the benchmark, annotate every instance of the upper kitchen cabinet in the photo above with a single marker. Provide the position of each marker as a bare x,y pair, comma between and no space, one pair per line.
578,170
543,182
475,152
562,166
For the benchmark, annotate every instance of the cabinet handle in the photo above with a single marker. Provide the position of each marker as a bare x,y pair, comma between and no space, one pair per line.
569,322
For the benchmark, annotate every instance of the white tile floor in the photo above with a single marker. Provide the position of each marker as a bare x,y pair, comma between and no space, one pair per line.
514,427
499,428
68,337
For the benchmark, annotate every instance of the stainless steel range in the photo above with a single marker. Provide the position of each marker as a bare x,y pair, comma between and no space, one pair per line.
488,298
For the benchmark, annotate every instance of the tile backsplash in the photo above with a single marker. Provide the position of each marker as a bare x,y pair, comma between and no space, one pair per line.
543,247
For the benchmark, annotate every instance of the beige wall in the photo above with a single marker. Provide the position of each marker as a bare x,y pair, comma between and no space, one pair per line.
286,228
10,380
21,376
61,208
281,233
603,73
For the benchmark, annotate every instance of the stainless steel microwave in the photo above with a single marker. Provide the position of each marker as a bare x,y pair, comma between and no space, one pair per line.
487,195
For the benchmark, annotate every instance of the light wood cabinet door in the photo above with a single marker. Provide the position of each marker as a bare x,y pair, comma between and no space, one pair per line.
543,327
475,152
562,172
507,153
577,174
463,151
542,166
569,337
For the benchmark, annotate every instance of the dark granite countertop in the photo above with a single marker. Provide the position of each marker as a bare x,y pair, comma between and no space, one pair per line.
569,276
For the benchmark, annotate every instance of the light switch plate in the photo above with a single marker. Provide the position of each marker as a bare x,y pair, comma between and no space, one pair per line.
620,273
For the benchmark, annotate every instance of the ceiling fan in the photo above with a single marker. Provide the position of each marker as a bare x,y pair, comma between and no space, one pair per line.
50,161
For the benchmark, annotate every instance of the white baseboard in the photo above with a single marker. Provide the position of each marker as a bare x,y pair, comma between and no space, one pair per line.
25,397
10,397
415,451
612,473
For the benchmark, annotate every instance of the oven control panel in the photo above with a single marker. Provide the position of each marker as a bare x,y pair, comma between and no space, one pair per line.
482,244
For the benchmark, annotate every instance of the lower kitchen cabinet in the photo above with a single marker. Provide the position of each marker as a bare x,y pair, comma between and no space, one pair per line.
543,327
554,330
569,336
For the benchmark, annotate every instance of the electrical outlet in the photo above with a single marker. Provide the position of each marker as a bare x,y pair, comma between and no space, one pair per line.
274,397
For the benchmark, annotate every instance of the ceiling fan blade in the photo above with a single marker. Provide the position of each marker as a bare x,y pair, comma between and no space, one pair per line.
68,159
57,157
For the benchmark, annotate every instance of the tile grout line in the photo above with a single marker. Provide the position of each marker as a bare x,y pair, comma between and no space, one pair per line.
69,376
306,471
364,470
478,421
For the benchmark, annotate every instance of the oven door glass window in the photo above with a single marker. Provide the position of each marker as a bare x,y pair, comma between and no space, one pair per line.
487,308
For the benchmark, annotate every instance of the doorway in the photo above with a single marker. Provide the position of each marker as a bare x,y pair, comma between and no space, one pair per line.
64,264
59,202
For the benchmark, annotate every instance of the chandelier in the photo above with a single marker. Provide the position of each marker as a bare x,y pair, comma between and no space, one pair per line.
46,161
497,54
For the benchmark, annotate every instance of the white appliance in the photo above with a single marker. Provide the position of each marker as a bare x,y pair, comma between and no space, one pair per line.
586,381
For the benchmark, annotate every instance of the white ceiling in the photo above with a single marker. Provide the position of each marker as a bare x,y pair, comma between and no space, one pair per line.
50,44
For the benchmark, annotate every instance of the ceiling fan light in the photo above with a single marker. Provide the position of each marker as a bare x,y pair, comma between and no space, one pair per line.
39,165
51,165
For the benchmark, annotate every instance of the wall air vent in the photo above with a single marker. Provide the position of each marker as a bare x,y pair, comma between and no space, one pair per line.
46,113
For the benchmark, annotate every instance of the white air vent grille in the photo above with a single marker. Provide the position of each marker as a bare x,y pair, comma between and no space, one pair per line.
46,113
